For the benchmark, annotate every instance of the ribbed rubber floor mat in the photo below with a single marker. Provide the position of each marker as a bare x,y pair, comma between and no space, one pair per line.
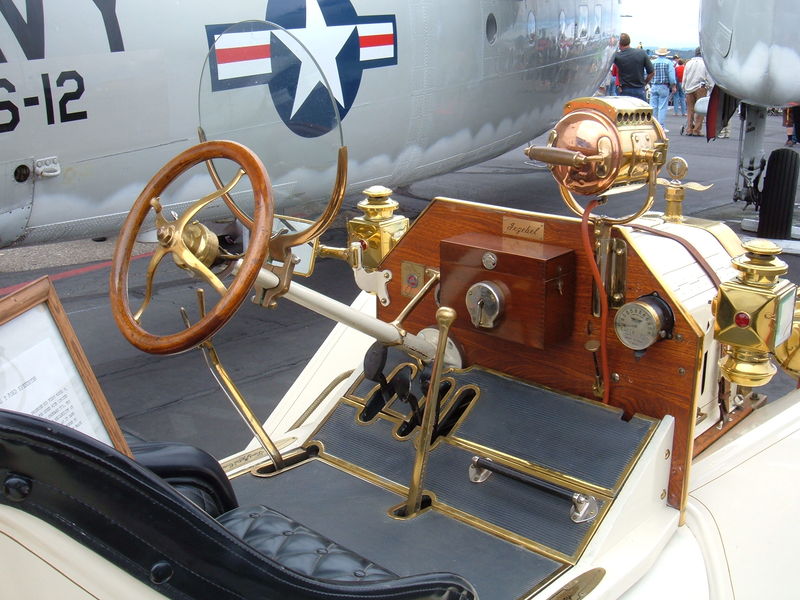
353,512
568,435
511,505
369,446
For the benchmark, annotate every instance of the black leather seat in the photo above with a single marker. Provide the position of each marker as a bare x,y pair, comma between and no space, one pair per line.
191,471
128,514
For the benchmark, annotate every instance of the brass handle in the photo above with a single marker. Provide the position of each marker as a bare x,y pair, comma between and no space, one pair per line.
557,156
569,158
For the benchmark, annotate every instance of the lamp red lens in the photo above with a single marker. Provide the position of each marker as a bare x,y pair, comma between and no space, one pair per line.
742,319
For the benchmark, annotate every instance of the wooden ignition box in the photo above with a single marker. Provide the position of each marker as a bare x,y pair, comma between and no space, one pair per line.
537,280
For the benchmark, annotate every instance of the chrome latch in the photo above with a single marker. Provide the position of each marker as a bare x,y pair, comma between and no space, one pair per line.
584,508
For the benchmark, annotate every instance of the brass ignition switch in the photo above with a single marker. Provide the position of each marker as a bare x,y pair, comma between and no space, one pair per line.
754,314
379,229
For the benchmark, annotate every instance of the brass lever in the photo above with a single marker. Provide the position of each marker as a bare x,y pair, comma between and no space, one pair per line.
445,317
225,382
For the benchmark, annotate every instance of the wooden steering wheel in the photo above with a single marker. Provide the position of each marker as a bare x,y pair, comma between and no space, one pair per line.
173,241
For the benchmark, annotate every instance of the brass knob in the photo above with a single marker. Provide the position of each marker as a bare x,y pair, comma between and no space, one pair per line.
445,316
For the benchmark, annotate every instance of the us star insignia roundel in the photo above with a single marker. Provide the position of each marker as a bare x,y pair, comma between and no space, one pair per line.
341,42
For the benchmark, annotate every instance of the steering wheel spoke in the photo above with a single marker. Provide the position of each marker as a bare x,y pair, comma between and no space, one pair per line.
190,212
172,242
190,261
156,259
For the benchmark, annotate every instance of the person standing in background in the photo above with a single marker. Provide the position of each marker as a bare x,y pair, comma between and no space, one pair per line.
791,120
696,83
613,81
679,98
634,68
664,83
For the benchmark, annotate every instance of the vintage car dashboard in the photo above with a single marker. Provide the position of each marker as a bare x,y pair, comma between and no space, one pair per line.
537,321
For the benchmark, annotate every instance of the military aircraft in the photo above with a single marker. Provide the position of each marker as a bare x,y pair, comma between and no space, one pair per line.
751,56
96,95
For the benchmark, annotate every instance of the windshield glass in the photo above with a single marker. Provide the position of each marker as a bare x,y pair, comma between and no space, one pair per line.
261,87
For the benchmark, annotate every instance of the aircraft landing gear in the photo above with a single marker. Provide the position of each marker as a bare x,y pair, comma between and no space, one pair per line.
777,199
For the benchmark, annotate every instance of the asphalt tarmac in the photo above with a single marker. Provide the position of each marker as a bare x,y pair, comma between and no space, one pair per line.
175,397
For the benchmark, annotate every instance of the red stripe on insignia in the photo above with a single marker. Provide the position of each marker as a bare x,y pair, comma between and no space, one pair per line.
370,41
231,55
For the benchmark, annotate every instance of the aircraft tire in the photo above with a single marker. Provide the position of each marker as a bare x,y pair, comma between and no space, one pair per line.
777,199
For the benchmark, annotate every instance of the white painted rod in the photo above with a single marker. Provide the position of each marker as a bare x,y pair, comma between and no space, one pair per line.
385,333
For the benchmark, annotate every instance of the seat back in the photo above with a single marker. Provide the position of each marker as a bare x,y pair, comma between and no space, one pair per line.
192,471
127,514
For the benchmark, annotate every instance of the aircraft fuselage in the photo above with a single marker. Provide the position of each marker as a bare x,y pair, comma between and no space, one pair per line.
96,95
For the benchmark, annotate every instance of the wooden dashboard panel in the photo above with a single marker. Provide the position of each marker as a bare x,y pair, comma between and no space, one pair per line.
658,383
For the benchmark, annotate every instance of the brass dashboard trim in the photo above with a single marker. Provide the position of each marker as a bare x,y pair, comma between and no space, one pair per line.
494,208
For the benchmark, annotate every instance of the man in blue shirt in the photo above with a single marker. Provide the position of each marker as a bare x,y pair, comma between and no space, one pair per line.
662,85
635,68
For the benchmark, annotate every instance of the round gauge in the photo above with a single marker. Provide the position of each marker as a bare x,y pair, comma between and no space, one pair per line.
643,322
677,167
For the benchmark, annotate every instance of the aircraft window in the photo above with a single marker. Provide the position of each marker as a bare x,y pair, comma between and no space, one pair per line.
531,26
598,18
583,21
491,28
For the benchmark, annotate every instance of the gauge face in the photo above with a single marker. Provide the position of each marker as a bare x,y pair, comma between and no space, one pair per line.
638,325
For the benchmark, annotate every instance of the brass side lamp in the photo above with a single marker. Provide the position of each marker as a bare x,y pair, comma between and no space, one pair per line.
378,229
788,353
754,314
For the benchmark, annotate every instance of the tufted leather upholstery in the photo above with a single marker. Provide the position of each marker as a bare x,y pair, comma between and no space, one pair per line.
134,519
299,548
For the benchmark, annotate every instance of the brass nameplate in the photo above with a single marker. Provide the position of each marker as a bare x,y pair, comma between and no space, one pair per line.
523,228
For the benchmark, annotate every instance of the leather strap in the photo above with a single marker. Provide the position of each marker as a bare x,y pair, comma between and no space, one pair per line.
699,259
